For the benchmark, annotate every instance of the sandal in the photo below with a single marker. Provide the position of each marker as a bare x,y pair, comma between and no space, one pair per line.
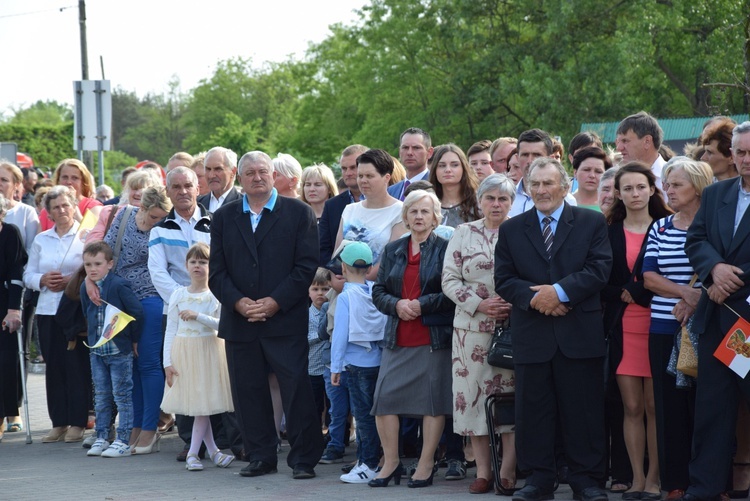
619,486
192,463
221,460
14,427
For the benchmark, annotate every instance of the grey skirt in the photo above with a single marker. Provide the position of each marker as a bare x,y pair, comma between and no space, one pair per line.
414,382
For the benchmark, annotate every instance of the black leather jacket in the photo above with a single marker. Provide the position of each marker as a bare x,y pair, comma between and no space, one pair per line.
437,309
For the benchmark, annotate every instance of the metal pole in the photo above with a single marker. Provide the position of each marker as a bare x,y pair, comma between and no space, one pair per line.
79,120
100,129
84,48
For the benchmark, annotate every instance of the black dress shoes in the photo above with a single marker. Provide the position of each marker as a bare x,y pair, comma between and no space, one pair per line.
257,468
533,493
303,471
591,494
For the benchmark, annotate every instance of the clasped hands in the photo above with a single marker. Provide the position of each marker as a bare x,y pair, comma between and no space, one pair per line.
256,311
408,309
54,281
726,281
545,301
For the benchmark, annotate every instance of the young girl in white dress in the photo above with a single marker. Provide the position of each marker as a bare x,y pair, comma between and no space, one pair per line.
194,361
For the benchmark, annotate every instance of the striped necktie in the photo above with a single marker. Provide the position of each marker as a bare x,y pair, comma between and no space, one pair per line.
547,235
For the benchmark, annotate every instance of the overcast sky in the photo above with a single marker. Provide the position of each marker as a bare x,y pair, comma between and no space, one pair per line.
145,42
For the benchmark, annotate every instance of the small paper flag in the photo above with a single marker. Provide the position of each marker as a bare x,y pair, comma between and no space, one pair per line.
734,349
115,320
87,224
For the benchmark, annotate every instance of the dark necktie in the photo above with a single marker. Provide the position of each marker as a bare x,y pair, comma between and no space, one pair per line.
403,192
547,235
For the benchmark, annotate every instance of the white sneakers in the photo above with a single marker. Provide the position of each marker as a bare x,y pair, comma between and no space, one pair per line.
100,445
360,474
118,449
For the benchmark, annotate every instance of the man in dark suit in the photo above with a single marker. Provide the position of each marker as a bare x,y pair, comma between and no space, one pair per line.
550,264
264,253
221,169
414,152
718,246
328,226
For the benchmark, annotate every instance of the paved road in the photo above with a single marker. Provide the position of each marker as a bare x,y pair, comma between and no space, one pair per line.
62,471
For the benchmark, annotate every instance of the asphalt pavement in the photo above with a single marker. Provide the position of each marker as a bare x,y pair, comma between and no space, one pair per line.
62,471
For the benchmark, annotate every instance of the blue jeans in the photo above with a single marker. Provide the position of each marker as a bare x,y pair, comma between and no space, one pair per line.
113,381
339,397
148,374
361,385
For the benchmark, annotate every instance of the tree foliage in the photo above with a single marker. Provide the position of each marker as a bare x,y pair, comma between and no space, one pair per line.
464,70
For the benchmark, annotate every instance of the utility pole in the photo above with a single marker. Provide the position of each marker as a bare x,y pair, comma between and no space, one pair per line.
84,48
87,157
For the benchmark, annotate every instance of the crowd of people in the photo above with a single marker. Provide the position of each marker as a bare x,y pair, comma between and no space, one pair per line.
290,303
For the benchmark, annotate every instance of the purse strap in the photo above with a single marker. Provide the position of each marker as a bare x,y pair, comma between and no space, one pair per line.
121,232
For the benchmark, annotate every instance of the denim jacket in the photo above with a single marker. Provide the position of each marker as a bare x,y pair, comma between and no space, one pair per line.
437,309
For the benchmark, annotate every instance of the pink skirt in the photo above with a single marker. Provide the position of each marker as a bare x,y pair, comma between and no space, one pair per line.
635,327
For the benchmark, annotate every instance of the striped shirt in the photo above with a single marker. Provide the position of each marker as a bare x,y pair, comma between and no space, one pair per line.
665,255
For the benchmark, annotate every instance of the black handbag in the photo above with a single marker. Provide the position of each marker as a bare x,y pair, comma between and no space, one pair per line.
500,353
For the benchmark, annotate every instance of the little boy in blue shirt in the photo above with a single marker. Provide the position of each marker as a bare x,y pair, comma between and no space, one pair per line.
112,362
358,327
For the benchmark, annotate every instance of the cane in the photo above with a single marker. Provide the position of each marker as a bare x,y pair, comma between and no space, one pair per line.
22,361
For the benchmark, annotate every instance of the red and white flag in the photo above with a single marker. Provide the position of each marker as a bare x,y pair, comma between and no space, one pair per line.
734,349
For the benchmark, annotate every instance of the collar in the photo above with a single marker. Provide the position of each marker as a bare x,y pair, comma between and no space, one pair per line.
269,205
100,283
223,195
196,215
555,214
419,176
741,189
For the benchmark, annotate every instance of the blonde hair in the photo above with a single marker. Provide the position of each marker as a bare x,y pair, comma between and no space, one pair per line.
325,174
87,183
698,173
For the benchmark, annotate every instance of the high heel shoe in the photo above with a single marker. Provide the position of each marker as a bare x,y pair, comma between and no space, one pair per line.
56,434
414,483
395,475
166,426
148,449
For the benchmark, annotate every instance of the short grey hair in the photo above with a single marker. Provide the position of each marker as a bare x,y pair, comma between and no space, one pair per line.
609,174
544,162
255,157
229,158
417,195
59,191
288,166
499,182
742,128
185,171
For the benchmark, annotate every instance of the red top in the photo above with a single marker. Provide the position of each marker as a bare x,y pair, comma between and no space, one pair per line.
412,332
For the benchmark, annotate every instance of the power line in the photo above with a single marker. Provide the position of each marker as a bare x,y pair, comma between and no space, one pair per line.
38,12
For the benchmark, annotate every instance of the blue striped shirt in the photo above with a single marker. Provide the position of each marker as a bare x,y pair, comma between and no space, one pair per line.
665,255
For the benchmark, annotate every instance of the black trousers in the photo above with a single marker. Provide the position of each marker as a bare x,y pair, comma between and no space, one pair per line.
573,391
10,380
287,357
675,409
716,400
68,375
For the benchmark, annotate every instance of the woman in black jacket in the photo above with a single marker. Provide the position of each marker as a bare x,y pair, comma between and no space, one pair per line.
627,318
415,372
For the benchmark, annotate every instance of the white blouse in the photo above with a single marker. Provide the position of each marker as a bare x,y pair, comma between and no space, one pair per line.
51,252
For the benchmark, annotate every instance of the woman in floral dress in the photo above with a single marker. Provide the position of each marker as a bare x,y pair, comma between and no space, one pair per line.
468,279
